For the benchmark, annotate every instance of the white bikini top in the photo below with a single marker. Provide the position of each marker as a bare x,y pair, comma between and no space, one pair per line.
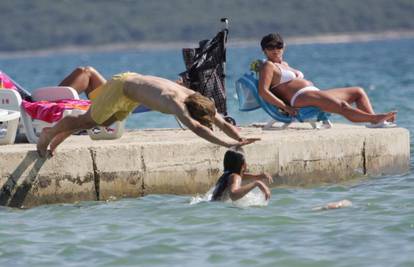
286,75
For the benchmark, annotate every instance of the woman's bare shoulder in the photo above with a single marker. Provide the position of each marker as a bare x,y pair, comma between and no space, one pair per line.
267,67
268,64
234,177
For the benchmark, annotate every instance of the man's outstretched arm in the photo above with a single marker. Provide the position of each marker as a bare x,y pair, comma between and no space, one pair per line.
203,131
231,130
209,135
227,128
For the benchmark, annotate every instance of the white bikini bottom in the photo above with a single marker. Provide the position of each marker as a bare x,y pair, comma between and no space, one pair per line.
301,91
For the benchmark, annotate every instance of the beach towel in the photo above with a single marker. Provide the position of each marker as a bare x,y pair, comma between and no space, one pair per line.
49,111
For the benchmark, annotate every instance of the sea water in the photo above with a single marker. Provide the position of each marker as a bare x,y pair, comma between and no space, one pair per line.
167,230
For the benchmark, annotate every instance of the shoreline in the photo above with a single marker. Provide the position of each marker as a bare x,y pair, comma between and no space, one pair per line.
234,42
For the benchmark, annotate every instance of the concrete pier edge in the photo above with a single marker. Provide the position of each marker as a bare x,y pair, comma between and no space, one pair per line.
175,161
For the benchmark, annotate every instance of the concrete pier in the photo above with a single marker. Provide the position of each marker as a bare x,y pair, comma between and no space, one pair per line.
176,161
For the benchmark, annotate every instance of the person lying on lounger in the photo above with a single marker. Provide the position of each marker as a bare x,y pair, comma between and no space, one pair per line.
286,88
125,91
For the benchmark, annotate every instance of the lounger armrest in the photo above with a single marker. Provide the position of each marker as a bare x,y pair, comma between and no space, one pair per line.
8,115
54,93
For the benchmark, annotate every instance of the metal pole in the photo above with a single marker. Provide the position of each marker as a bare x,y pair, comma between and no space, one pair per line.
226,28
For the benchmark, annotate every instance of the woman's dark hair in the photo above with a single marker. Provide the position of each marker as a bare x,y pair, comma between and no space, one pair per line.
233,163
272,39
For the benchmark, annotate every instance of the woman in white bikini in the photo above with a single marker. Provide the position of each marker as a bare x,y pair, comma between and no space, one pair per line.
286,88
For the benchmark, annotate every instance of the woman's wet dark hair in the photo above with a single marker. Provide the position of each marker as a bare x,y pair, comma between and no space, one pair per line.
233,163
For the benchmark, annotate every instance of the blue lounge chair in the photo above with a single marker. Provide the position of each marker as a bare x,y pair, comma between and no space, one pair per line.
249,99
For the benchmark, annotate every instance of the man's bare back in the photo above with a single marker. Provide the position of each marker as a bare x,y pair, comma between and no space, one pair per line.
157,93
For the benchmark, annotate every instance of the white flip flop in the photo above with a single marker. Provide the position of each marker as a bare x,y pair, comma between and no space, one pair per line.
383,124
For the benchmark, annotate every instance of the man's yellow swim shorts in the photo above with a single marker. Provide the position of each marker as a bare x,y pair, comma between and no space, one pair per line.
112,101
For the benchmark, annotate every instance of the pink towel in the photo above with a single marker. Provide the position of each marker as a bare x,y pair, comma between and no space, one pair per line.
52,111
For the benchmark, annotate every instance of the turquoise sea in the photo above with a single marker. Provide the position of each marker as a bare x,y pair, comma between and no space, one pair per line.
167,230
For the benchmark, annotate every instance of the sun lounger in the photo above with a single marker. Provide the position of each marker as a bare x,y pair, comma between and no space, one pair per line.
11,99
249,99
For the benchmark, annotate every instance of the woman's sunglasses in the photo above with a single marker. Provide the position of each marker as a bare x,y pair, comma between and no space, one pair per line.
278,45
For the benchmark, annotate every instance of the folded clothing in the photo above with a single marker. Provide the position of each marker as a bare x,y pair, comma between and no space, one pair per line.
52,111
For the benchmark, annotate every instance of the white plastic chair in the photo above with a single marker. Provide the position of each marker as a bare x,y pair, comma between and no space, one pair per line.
9,120
115,131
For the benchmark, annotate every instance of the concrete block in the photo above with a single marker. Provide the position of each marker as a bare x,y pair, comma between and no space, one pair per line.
179,162
320,158
119,169
387,151
263,156
181,168
26,180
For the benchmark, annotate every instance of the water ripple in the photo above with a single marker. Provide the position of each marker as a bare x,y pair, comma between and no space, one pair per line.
168,230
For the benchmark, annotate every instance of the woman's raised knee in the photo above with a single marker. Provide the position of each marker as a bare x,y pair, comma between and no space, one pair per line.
359,91
89,69
79,69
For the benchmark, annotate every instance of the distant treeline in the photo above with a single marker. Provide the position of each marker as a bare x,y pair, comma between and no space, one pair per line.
41,24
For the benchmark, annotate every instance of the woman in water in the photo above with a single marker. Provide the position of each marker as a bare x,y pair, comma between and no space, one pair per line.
229,185
286,88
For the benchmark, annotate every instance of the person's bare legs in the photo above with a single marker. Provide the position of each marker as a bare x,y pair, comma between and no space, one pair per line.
83,79
60,137
328,103
62,130
352,95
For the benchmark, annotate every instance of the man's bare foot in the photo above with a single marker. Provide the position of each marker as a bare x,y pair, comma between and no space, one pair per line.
43,142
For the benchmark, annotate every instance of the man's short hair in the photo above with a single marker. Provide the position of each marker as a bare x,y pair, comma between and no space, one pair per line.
201,109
